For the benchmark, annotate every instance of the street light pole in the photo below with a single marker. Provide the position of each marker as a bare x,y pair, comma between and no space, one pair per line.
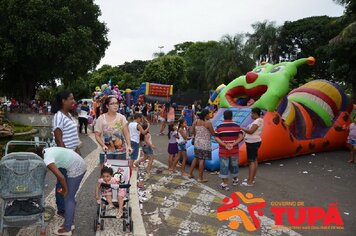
160,49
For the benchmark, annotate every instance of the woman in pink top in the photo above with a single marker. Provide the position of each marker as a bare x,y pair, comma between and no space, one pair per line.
253,143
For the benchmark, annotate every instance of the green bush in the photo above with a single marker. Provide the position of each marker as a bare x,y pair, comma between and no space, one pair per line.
20,128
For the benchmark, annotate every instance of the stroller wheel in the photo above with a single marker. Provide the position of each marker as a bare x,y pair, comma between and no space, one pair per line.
131,225
124,225
130,212
102,225
96,223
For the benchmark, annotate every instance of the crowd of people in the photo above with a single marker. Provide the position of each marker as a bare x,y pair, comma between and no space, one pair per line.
113,132
32,106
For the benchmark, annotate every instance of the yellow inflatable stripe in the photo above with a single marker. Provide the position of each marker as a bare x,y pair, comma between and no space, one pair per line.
147,88
171,90
289,114
328,89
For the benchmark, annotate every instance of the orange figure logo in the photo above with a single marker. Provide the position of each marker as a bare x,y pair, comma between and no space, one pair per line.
229,209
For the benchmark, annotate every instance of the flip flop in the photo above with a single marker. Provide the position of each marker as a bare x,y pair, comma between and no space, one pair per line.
202,180
246,184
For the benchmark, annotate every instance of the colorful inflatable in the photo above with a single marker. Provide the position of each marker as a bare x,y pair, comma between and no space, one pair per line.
107,89
151,92
215,97
307,120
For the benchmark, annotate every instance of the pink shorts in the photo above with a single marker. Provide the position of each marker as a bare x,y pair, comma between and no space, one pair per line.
121,192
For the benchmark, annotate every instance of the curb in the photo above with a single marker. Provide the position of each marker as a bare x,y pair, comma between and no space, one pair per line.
138,225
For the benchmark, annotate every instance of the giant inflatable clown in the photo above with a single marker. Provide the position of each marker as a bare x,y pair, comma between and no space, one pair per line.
305,120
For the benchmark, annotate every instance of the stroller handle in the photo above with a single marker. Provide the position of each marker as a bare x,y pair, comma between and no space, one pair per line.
28,143
115,186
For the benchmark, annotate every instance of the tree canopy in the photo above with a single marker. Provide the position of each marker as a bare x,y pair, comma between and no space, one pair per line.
43,40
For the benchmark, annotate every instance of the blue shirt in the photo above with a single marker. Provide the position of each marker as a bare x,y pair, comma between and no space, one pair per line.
188,116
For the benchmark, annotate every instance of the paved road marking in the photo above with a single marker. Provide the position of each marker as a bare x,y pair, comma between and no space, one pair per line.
171,203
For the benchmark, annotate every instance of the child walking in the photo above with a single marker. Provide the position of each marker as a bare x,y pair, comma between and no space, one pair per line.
107,178
147,147
182,150
136,129
172,145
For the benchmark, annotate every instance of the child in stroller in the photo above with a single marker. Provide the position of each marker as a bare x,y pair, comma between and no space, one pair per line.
107,178
112,189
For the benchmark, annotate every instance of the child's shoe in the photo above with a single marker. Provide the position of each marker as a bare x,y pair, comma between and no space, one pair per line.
224,187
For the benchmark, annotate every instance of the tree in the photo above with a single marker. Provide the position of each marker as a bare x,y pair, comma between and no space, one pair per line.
308,37
135,68
166,70
196,57
41,41
180,49
343,49
228,61
103,75
263,41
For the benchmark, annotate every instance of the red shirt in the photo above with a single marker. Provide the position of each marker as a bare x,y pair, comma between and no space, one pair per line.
228,131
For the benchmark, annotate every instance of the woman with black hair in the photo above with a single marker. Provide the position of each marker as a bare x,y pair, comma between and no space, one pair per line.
202,130
111,131
253,143
65,134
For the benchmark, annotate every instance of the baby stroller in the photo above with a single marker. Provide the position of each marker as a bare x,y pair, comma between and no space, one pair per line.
120,165
22,182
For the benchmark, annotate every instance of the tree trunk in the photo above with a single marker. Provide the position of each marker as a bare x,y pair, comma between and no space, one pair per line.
353,96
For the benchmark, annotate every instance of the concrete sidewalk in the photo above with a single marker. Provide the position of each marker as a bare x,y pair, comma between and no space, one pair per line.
112,227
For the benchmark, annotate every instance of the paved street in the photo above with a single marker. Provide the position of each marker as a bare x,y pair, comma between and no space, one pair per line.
180,206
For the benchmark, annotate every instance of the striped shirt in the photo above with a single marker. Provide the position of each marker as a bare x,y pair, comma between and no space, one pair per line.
69,129
228,131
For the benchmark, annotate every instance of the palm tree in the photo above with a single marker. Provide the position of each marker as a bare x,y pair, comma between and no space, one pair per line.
349,18
343,46
229,60
263,42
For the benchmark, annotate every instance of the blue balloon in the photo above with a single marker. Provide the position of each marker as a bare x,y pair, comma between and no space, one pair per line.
214,163
211,165
107,91
190,154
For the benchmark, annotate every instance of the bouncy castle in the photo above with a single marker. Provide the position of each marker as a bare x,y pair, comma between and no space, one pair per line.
305,120
150,92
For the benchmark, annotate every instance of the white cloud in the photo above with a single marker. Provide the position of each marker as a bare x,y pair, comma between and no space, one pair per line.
138,27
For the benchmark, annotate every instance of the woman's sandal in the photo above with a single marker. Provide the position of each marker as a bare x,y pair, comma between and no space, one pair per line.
202,180
246,184
65,233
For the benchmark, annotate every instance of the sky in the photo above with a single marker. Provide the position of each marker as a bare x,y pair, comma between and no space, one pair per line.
137,28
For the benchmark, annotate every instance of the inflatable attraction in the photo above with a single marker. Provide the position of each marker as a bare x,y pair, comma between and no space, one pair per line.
305,120
150,92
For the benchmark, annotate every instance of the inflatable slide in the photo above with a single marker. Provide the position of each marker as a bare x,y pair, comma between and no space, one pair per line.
306,120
